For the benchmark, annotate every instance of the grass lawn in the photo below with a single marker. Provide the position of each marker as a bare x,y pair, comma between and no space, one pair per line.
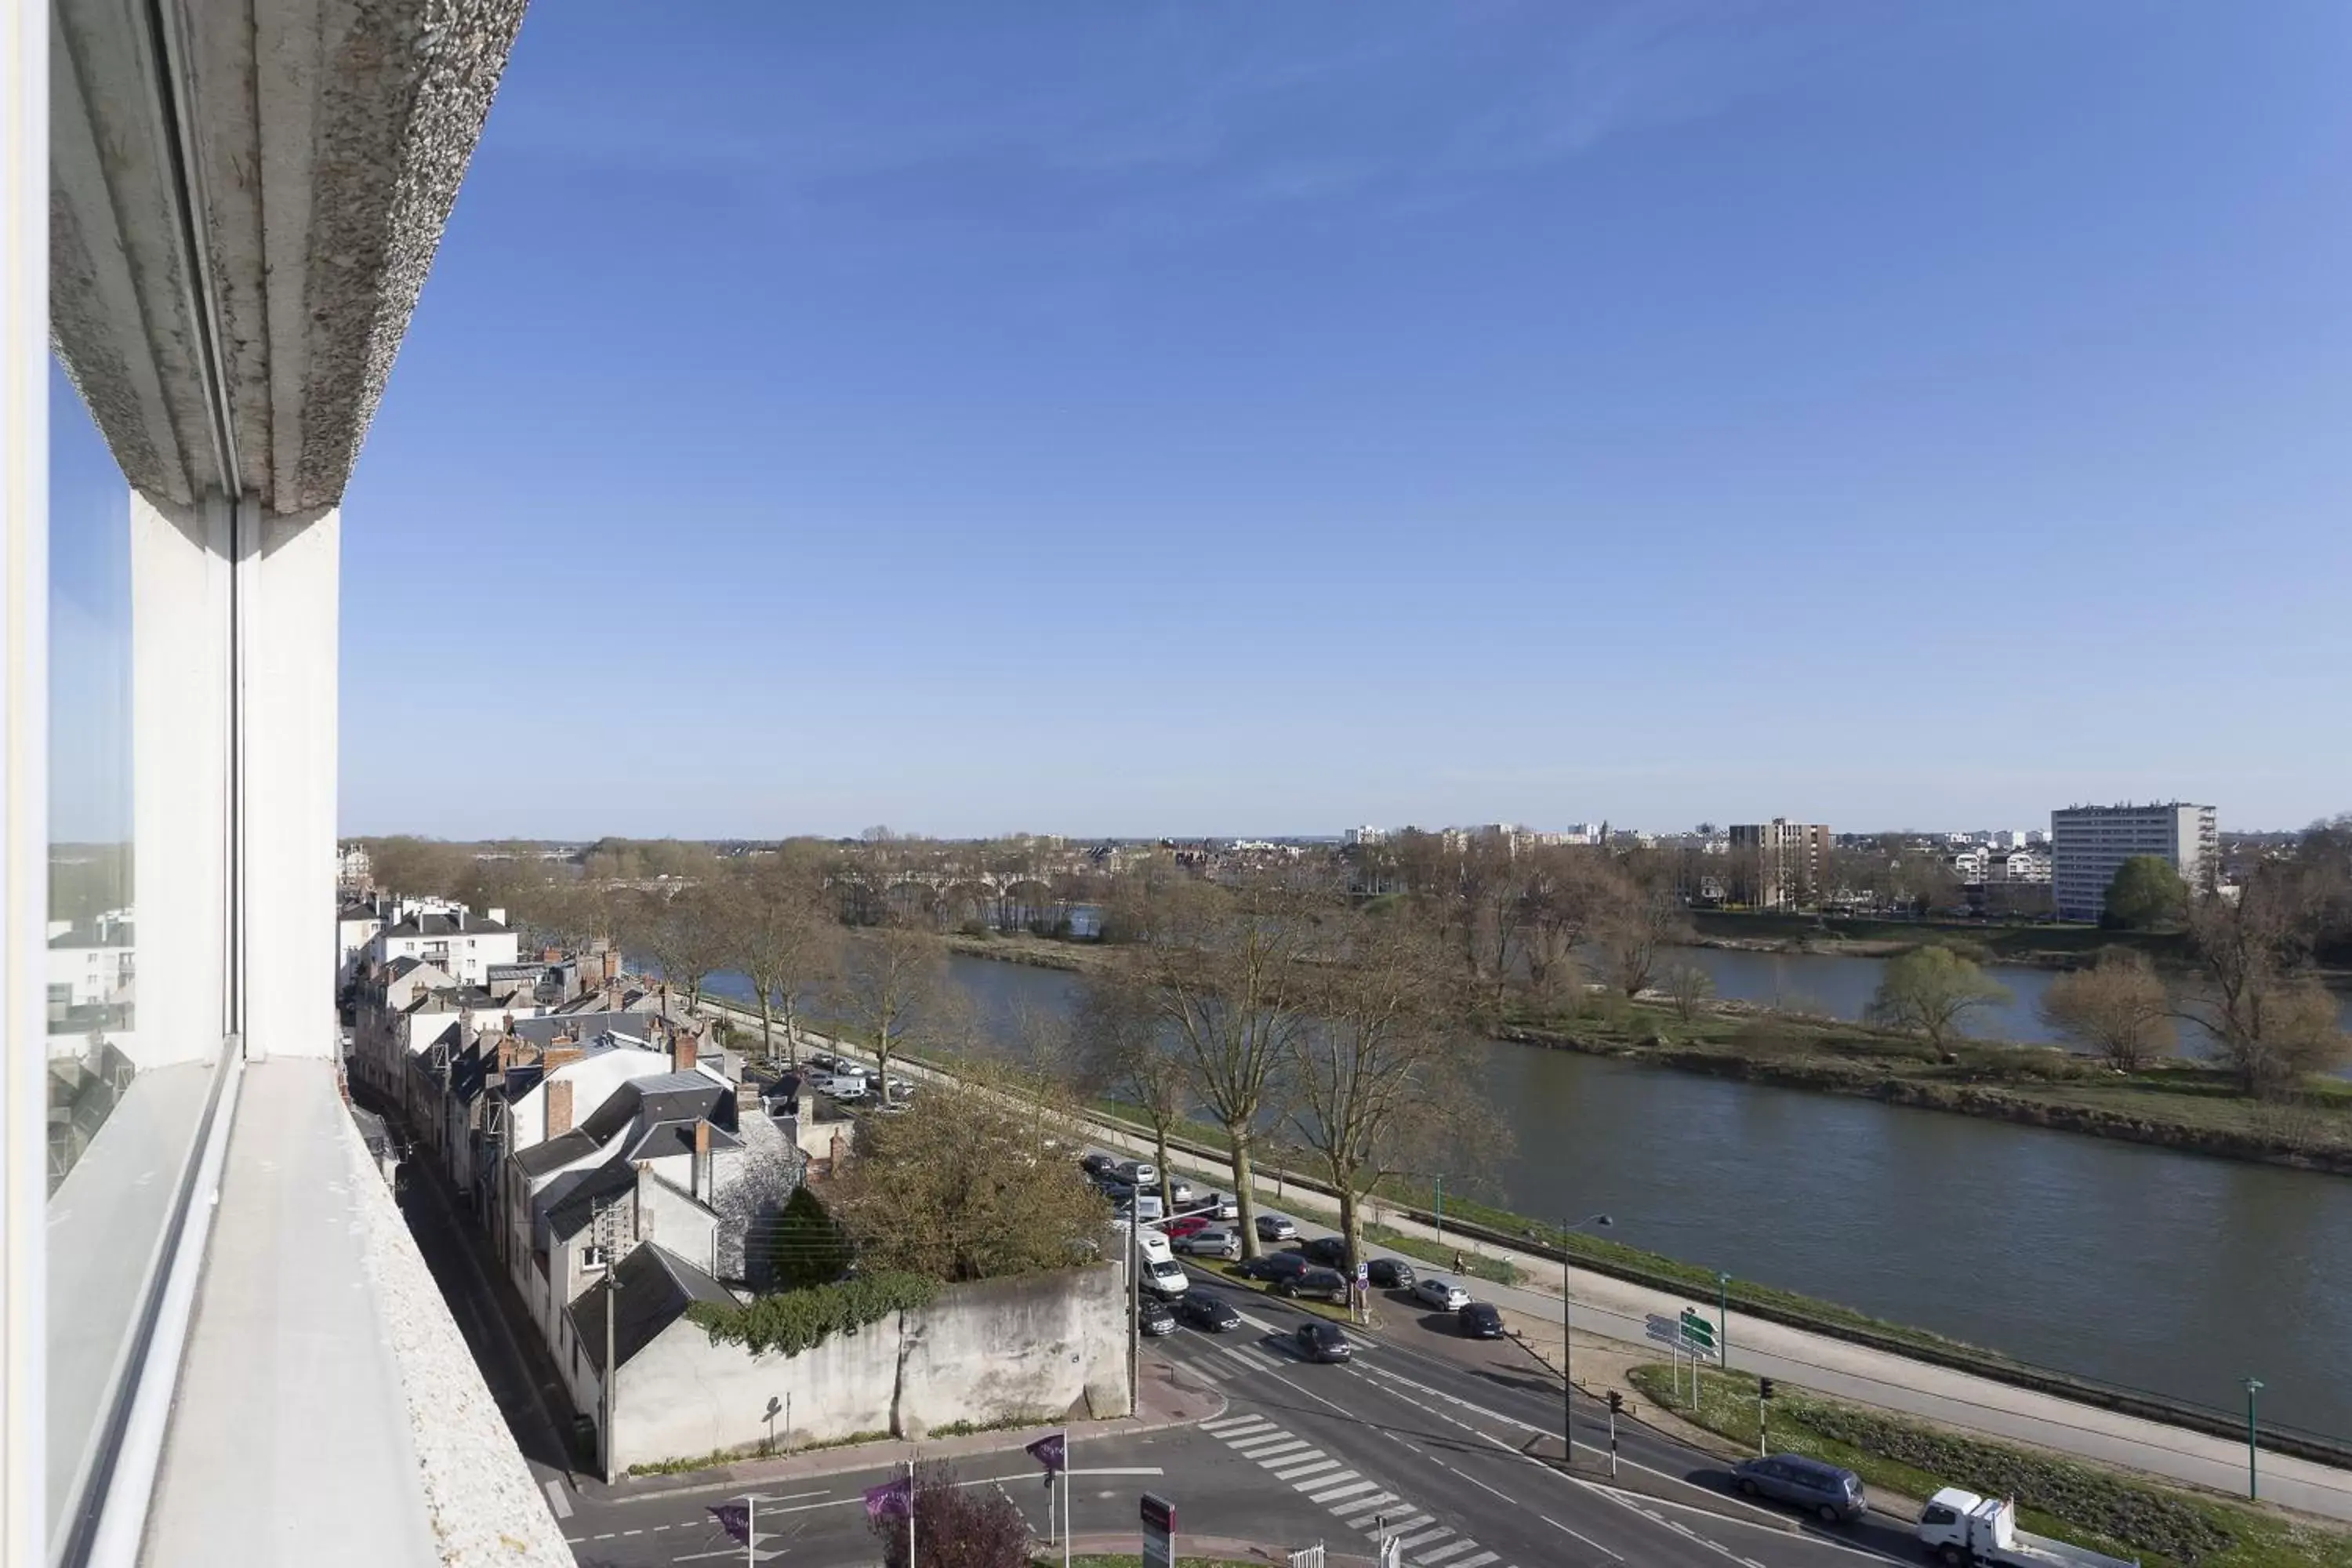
2106,1510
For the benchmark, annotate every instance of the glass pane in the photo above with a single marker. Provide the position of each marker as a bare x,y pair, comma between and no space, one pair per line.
119,1133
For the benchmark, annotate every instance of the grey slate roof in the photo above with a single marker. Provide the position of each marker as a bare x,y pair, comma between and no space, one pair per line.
583,1192
655,1287
435,924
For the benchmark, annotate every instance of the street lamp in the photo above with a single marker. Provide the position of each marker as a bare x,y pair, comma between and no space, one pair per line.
1568,1345
2254,1485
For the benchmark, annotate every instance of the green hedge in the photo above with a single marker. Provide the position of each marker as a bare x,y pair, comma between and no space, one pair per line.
795,1321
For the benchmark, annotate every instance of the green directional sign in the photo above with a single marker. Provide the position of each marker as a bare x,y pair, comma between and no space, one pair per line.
1697,1332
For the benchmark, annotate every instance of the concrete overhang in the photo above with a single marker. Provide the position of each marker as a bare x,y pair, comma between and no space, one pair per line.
245,198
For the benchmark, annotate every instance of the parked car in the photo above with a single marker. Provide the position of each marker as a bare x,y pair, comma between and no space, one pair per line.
1813,1484
1275,1228
1114,1189
1223,1206
1138,1172
1330,1251
1275,1265
1189,1224
822,1061
1478,1321
1096,1163
1319,1341
1222,1244
1323,1284
1180,1190
1203,1310
1390,1273
1441,1293
1145,1205
1155,1316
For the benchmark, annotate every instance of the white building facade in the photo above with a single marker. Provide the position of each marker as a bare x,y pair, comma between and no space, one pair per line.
2087,843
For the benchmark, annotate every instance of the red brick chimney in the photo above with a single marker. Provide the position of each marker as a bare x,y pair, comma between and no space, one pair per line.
702,1182
550,955
559,1109
611,964
685,1051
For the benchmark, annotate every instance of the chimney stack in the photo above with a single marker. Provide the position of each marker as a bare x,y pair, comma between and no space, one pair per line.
685,1053
559,1108
611,964
702,1178
550,955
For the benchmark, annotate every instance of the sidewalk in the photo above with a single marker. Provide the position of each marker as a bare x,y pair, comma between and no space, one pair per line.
1163,1405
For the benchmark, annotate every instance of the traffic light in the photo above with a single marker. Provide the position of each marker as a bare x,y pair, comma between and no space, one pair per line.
1616,1402
1763,1388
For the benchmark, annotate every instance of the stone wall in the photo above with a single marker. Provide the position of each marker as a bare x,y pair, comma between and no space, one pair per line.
1041,1348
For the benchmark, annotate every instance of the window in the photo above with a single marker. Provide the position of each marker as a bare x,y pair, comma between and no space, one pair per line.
124,1105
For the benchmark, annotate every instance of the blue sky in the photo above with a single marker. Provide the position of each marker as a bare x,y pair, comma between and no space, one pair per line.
1232,417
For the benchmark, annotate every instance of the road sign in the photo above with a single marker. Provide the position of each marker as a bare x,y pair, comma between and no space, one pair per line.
1363,1274
1158,1532
1698,1334
1665,1330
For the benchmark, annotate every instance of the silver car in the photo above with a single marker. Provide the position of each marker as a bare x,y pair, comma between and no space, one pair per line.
1222,1244
1441,1293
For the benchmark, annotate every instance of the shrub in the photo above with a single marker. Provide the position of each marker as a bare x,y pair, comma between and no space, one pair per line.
794,1320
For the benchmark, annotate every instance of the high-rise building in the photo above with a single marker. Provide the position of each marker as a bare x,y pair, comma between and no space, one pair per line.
1779,864
2088,842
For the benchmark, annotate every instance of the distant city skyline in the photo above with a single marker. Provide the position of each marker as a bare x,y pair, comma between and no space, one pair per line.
1247,420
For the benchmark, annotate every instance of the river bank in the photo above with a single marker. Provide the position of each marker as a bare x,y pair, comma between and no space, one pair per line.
2177,1103
2174,1103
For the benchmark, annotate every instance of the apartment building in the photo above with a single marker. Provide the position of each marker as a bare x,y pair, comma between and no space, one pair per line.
1779,864
2089,842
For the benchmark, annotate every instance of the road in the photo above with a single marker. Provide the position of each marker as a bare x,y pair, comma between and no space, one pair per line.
1425,1435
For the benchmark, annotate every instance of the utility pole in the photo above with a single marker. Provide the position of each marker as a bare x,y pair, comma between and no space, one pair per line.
1723,1321
612,1373
750,1530
1134,1314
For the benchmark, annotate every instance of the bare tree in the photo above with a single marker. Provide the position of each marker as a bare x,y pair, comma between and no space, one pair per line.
1124,1050
787,942
1929,991
1221,971
1560,896
2118,1008
2275,1021
895,989
1375,1076
1689,986
688,932
1637,920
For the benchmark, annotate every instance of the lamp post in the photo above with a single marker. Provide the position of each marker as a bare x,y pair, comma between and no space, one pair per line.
1568,1345
2254,1482
1722,1319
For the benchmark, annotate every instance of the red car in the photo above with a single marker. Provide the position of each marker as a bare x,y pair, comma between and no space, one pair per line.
1190,1225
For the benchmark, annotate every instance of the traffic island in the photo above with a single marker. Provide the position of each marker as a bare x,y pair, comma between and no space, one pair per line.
1902,1461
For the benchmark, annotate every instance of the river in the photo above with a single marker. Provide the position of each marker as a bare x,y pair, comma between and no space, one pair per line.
2178,1273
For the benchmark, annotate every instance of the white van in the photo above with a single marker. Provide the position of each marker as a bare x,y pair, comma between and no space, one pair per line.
842,1085
1154,1248
1166,1278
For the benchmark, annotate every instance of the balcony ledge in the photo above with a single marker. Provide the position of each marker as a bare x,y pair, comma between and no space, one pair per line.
327,1407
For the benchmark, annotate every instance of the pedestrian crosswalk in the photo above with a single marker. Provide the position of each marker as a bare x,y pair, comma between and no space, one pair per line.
1228,1359
1357,1501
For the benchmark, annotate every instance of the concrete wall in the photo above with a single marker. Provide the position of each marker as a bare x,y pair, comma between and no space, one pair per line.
1041,1348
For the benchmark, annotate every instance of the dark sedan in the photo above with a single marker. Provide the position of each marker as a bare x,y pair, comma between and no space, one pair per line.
1479,1321
1390,1273
1322,1342
1275,1265
1203,1310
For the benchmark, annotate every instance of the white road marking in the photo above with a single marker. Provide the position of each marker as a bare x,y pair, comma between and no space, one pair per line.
1340,1485
1225,1424
557,1501
1415,1543
1316,1468
1585,1539
1361,1505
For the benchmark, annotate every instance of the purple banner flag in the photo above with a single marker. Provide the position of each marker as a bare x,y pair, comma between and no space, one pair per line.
891,1500
735,1518
1050,1451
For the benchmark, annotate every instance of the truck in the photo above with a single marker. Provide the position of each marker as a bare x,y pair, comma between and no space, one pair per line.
1960,1527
